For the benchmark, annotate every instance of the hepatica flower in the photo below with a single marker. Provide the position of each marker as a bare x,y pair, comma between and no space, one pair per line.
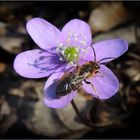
61,51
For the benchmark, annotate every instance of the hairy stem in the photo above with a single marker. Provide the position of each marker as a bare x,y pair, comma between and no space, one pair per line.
79,115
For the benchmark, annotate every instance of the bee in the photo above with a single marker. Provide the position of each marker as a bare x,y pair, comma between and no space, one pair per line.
71,81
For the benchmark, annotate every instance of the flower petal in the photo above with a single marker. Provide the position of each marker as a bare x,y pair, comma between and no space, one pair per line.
51,99
108,48
106,85
77,28
36,63
44,34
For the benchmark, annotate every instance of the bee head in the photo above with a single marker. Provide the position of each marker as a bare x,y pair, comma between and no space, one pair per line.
95,65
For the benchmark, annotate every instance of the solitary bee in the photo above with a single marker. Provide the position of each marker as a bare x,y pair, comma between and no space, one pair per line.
73,80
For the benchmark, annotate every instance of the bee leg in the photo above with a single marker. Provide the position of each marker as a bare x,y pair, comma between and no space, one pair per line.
87,82
77,66
100,74
93,87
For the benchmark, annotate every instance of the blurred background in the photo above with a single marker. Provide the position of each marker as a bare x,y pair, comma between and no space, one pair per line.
22,113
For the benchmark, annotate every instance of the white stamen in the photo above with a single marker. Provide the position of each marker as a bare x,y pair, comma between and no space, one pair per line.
62,52
57,49
71,63
68,40
83,50
74,35
61,59
69,33
60,45
75,55
83,42
77,49
68,55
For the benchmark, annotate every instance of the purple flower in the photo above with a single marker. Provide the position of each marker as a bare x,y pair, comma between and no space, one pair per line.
60,51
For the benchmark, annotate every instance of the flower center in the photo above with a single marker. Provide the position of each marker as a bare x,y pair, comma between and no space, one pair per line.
73,49
71,54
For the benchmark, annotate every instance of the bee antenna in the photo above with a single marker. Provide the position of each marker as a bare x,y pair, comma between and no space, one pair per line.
94,53
106,58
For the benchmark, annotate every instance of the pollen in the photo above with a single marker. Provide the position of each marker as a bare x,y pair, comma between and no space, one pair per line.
71,54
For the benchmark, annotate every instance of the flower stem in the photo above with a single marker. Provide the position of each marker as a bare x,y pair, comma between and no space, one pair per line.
79,115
